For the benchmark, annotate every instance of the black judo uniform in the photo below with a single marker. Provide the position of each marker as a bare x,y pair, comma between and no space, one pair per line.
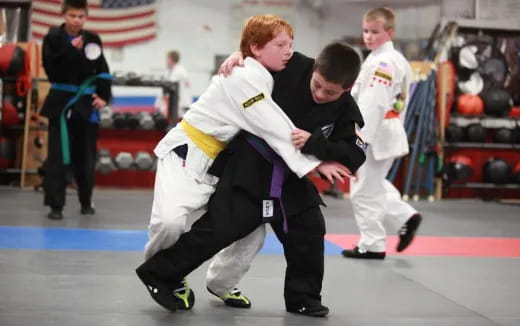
65,64
236,207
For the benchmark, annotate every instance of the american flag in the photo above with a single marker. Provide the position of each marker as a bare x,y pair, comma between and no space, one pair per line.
385,67
118,22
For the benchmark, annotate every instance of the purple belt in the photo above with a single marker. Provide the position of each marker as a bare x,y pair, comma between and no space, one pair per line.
279,171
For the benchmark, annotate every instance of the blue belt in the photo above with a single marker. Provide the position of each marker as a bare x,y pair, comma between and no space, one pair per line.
86,88
279,171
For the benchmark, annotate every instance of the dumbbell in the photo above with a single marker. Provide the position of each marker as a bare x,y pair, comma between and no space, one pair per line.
146,120
476,133
105,117
160,121
124,160
132,120
496,170
143,161
454,133
504,136
104,163
154,164
119,120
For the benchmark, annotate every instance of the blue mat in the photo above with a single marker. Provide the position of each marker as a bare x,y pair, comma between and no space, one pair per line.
40,238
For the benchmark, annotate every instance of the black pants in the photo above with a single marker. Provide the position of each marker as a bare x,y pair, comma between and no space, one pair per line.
303,248
82,140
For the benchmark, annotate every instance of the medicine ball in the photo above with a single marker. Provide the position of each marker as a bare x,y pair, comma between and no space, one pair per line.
454,133
516,173
12,60
495,69
7,153
459,167
10,115
497,102
504,136
475,133
496,170
469,104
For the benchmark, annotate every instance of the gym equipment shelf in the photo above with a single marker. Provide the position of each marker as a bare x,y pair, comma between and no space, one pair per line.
29,154
481,145
485,185
18,171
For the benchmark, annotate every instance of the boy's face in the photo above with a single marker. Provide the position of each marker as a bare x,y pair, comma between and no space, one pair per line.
324,91
169,62
375,34
74,20
275,54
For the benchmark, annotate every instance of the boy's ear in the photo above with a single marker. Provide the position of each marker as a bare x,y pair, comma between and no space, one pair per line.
255,49
390,32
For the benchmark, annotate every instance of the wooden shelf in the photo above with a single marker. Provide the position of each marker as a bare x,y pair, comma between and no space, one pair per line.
483,185
18,171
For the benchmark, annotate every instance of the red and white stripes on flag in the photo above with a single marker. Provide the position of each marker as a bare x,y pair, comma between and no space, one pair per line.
118,22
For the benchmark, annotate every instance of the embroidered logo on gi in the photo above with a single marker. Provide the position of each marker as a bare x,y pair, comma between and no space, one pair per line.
327,130
253,100
267,208
92,51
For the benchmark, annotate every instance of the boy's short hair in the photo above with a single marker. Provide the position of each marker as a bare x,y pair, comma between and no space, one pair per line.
74,4
338,63
174,55
260,30
383,13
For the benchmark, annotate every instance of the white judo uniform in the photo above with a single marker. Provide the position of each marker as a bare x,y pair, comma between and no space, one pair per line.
384,75
241,101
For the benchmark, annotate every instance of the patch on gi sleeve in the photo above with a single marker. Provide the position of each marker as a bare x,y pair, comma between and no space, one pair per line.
383,74
253,100
327,130
358,132
361,144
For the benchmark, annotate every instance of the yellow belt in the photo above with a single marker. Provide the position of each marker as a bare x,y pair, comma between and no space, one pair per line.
208,144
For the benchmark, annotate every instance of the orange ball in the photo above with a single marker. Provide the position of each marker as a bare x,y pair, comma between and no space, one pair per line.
469,104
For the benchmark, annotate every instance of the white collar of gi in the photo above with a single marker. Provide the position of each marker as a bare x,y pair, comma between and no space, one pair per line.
389,45
250,61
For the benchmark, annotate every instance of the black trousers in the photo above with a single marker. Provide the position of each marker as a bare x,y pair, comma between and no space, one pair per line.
82,141
303,247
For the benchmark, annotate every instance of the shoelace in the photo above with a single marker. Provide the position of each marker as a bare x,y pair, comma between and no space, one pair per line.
403,230
235,292
182,288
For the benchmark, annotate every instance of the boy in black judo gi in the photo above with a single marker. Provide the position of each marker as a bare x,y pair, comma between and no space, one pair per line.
80,84
255,187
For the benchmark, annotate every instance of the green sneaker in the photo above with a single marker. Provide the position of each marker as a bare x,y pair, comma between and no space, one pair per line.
184,296
234,298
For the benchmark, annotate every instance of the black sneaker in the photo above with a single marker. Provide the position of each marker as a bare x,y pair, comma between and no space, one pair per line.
55,214
407,231
184,296
355,253
163,296
234,298
314,310
88,210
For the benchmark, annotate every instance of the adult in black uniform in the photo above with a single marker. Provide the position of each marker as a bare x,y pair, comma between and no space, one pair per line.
80,85
246,178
